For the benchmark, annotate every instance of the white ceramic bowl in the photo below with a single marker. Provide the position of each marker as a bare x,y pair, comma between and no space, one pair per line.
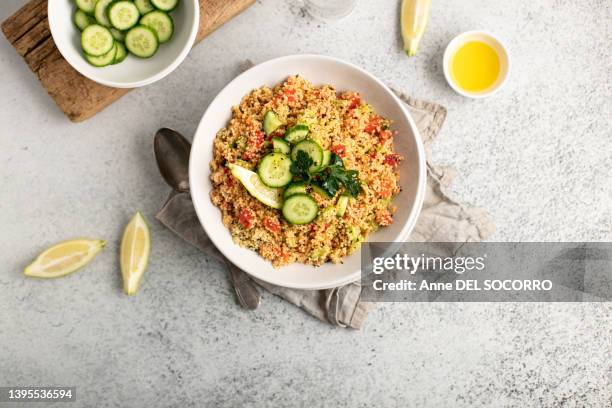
487,38
319,70
133,72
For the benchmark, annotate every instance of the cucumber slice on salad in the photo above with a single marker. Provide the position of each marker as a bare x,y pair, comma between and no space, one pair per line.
82,20
161,23
272,197
103,60
88,6
96,40
294,188
341,205
300,209
165,5
297,133
271,122
320,191
141,41
121,53
101,12
313,150
123,14
144,6
279,145
117,35
275,170
326,159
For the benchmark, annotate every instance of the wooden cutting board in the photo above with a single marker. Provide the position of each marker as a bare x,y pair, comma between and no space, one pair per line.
78,97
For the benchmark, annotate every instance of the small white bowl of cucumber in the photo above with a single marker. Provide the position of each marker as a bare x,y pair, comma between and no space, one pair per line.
124,43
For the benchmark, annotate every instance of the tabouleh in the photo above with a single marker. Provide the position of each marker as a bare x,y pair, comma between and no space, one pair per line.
303,173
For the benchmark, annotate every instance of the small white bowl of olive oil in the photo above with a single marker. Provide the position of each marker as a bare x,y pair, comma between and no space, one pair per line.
476,64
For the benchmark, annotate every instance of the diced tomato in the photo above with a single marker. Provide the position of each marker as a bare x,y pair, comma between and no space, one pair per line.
384,217
339,150
257,140
283,255
272,224
278,133
392,159
355,99
325,226
372,124
385,135
246,218
386,189
289,91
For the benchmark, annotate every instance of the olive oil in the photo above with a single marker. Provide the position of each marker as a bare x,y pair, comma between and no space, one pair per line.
475,67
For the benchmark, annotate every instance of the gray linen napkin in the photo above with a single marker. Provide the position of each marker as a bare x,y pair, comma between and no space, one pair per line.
442,219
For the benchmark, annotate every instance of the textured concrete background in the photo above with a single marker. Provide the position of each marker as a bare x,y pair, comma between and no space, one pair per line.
538,156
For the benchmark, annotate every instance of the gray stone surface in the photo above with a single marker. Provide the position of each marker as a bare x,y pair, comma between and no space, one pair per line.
537,156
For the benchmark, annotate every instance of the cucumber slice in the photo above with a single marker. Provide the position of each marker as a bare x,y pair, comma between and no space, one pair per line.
101,12
102,60
279,145
341,205
88,6
121,53
326,159
271,122
320,191
141,41
275,170
82,20
117,35
165,5
313,150
123,14
294,188
144,6
300,209
161,23
96,40
297,133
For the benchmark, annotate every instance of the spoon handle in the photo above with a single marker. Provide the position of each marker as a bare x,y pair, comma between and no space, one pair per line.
246,291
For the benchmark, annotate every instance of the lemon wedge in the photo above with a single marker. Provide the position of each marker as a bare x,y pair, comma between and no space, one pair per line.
134,256
64,258
272,197
414,16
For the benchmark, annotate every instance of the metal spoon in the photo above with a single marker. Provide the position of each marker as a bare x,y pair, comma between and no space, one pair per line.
172,155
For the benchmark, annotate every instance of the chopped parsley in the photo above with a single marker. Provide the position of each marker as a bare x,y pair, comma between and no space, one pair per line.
331,179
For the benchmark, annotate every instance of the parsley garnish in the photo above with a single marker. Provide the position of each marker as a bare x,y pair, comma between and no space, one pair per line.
336,175
331,179
301,164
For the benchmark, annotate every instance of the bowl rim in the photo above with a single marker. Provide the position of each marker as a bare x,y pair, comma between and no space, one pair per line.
195,24
447,58
354,276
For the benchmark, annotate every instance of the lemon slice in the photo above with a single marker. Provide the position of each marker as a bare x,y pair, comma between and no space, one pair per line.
64,258
272,197
414,16
135,249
